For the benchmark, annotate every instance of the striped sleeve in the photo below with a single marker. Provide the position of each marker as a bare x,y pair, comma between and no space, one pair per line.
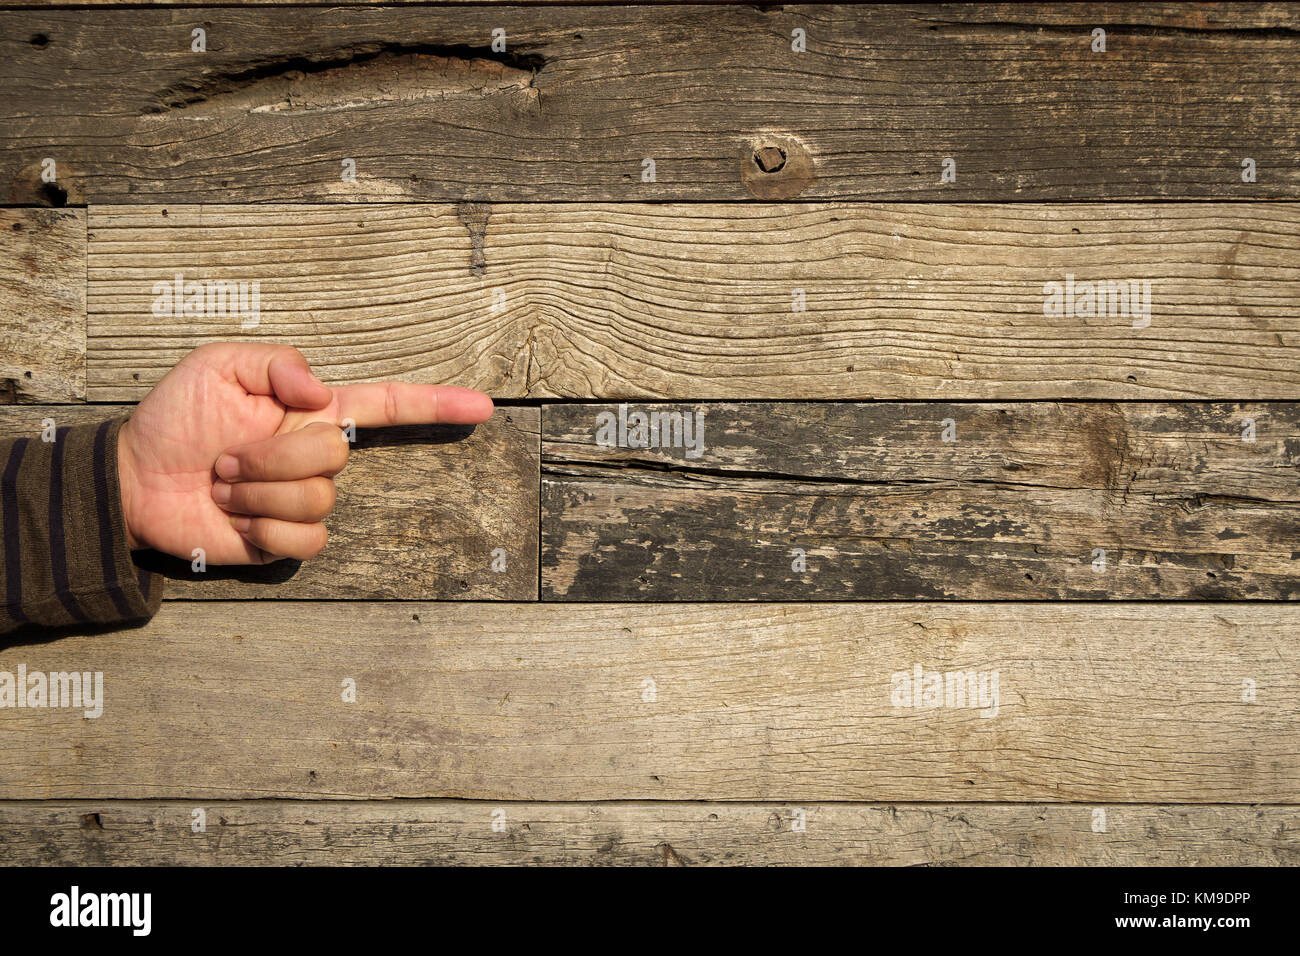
65,558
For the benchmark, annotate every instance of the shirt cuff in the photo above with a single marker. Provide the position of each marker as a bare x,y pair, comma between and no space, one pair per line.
70,562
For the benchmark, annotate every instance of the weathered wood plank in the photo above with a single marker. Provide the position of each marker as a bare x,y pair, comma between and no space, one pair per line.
1019,505
420,511
695,301
1202,15
42,305
791,702
582,95
418,833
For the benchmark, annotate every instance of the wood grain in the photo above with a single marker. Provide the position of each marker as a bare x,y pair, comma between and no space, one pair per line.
458,833
583,95
791,702
883,508
42,305
695,301
420,511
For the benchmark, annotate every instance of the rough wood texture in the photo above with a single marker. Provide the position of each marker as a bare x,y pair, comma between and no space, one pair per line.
1111,703
695,301
416,833
885,509
42,305
584,94
419,512
362,3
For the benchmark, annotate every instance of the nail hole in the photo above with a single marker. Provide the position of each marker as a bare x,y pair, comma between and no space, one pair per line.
40,40
770,159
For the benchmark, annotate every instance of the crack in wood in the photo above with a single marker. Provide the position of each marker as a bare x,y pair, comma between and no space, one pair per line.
356,76
579,468
670,856
1113,27
475,216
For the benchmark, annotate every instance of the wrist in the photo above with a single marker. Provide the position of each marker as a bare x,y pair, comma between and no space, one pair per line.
126,483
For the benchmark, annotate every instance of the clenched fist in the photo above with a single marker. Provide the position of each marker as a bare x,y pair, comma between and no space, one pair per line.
236,449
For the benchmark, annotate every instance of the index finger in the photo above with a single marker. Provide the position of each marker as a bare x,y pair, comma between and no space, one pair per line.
378,404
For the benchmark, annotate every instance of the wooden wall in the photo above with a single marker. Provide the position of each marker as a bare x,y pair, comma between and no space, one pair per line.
908,459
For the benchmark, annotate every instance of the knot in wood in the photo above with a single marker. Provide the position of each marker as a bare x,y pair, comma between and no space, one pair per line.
770,159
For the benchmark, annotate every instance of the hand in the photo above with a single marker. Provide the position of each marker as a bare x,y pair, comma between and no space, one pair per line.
235,450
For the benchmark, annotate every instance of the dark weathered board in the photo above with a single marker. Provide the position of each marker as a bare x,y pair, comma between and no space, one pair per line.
1017,506
660,833
420,511
42,305
696,301
715,95
1127,703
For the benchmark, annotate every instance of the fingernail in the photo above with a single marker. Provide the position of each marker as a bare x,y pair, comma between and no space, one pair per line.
241,523
221,493
227,467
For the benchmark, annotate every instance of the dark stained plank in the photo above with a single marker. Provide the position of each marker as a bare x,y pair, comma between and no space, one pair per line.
420,511
1018,506
362,3
660,833
42,305
697,301
1077,703
583,95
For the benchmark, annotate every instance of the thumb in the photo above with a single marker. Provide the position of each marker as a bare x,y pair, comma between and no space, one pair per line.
282,371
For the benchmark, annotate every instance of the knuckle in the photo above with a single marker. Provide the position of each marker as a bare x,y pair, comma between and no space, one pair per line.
254,462
259,533
390,403
319,496
290,353
244,496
